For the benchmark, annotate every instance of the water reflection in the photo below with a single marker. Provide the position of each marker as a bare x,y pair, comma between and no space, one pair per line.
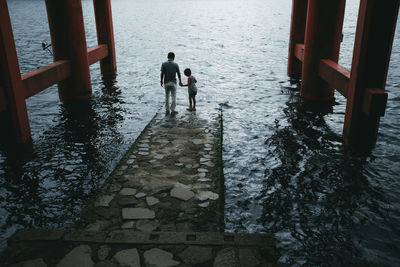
70,160
312,198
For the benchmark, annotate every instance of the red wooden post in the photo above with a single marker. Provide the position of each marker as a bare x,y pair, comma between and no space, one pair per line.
366,97
69,43
297,32
105,34
322,41
10,78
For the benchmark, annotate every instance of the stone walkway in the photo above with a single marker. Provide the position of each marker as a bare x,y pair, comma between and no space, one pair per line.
162,206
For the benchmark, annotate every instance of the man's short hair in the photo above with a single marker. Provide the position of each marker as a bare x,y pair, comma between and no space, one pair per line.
171,55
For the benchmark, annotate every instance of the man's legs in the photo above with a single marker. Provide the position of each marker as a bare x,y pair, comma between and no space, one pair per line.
173,95
170,88
167,93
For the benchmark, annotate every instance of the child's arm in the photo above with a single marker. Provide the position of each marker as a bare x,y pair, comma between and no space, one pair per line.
195,80
187,84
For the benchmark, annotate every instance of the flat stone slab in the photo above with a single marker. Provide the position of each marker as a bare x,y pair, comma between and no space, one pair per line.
204,195
152,201
181,193
204,204
140,195
128,225
79,256
128,257
103,201
159,156
128,192
147,225
159,258
198,141
137,213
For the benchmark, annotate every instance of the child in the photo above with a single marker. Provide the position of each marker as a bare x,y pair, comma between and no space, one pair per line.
192,89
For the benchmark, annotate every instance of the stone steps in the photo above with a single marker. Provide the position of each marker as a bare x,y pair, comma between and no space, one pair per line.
69,247
163,205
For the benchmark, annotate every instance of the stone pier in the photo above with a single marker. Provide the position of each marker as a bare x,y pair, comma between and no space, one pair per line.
161,206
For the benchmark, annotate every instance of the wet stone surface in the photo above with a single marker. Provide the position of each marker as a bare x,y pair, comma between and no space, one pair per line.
170,181
167,173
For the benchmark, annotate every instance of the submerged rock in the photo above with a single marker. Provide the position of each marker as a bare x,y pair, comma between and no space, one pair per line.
127,191
137,213
159,258
103,201
79,256
128,257
181,193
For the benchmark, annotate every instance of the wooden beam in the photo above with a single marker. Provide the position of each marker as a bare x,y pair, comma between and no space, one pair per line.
40,79
299,52
97,53
374,102
335,75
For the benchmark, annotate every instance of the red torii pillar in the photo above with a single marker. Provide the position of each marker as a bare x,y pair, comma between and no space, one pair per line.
69,43
297,33
10,78
105,35
366,100
322,41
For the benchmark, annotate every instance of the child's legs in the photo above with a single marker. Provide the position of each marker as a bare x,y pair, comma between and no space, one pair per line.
190,101
194,101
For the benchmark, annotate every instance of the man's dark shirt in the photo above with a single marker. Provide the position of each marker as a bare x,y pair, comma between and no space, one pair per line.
169,69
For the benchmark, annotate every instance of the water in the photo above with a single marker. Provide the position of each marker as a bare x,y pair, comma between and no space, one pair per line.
286,169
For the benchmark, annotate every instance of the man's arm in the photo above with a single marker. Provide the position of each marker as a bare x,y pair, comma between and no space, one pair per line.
161,78
180,79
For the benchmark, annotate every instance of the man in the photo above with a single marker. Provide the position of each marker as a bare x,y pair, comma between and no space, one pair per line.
169,70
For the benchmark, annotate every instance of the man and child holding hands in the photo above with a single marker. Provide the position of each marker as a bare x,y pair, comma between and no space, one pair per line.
169,70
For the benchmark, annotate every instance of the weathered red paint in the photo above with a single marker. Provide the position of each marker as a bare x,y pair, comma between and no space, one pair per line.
335,75
299,52
374,102
373,44
97,53
3,102
105,35
69,43
297,32
10,78
322,41
42,78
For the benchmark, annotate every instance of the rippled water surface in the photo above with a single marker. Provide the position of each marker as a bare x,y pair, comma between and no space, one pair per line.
286,169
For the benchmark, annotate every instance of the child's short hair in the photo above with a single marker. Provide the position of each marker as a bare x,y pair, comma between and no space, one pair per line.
187,72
